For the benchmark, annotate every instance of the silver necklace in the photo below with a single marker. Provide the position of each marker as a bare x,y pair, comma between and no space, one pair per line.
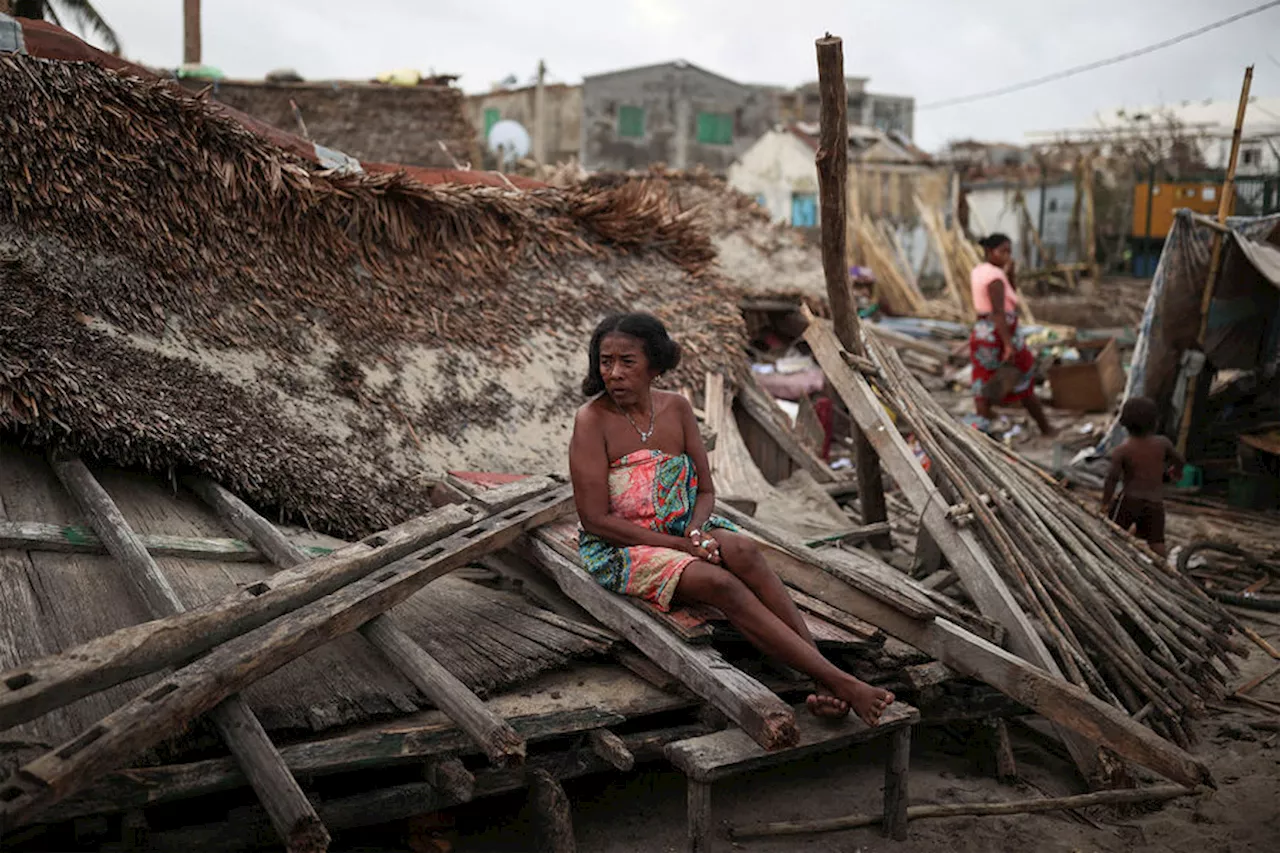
644,434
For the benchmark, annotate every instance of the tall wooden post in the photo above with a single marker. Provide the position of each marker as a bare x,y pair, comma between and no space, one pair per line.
540,116
833,171
190,32
1226,201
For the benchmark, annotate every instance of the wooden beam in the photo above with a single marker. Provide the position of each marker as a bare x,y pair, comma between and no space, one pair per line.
42,685
1065,704
451,778
292,815
760,713
1154,794
871,585
188,692
384,805
833,169
612,749
764,411
495,738
552,813
964,552
394,743
77,539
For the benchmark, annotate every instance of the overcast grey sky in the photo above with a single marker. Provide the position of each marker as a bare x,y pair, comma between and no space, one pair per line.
931,49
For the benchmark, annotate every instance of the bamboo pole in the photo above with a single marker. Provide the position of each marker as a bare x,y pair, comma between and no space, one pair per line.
833,168
1225,203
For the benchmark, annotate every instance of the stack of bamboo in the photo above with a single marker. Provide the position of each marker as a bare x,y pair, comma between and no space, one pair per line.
958,256
1120,625
896,291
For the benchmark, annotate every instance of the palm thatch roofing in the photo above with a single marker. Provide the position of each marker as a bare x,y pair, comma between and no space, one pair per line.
179,290
759,257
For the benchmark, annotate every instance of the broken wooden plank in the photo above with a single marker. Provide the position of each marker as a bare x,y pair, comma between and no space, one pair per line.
744,700
913,607
962,548
451,778
384,805
51,682
496,739
765,411
78,539
425,736
612,749
1155,794
230,667
836,616
727,753
965,652
553,816
292,815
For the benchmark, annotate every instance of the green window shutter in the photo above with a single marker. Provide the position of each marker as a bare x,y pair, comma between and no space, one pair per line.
715,128
491,117
631,121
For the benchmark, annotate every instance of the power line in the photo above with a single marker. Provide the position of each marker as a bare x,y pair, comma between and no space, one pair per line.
1101,63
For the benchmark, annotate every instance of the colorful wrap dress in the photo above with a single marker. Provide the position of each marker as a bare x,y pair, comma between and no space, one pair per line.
985,349
655,490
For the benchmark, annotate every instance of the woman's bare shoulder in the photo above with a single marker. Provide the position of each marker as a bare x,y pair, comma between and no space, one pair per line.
672,399
590,412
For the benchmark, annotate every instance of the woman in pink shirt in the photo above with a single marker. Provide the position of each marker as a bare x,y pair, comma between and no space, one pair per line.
995,346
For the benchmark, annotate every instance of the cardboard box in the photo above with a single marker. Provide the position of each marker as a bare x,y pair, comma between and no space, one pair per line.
1091,385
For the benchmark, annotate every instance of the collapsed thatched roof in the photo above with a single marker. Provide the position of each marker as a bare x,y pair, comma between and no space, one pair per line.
177,291
759,257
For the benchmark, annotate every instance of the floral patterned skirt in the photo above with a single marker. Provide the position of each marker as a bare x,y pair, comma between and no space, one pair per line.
984,353
657,491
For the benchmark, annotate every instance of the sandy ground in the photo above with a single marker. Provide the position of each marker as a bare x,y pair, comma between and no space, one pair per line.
645,812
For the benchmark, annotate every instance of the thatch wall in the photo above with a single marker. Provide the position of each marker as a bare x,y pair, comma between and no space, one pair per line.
177,291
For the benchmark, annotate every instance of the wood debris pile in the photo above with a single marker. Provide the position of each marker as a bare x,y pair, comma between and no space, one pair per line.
1119,623
201,294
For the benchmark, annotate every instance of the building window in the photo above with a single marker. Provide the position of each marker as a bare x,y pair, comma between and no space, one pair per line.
1252,156
631,121
715,128
492,115
804,210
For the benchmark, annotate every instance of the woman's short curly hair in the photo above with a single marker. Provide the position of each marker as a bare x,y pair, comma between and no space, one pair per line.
662,352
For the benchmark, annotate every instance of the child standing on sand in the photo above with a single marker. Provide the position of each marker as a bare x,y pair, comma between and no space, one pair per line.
1141,463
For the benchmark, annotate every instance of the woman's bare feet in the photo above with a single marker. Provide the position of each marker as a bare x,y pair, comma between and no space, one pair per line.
867,701
824,704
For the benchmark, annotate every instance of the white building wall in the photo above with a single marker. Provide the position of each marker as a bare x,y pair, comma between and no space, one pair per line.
992,209
773,169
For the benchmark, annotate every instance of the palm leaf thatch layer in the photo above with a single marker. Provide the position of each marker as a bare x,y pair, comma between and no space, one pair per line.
175,291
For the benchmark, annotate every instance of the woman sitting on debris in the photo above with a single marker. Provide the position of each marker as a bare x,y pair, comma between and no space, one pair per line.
1003,365
642,485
